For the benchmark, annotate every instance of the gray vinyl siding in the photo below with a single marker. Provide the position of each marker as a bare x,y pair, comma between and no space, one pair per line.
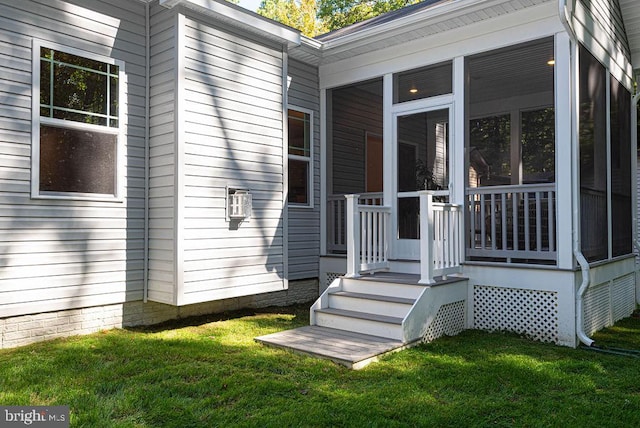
600,27
63,254
233,136
609,15
162,154
304,223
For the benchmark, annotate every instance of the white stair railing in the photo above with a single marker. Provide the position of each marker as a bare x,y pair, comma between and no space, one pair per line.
336,219
441,241
367,237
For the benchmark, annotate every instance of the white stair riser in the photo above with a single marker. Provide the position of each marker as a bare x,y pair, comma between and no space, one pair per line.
378,307
382,289
373,328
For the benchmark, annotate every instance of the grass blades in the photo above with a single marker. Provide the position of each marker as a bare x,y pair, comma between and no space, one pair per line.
209,372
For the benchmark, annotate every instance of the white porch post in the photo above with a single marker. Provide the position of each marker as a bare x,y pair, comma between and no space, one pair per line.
565,129
426,238
353,237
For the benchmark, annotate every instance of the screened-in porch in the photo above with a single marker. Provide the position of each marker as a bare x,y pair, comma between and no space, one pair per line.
508,196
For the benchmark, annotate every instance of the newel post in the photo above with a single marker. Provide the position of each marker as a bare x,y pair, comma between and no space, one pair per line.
426,238
353,237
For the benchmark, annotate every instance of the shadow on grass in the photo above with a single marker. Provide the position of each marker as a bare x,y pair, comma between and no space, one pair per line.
300,311
211,373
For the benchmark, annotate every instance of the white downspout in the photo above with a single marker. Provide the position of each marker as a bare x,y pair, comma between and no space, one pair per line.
634,149
145,266
563,13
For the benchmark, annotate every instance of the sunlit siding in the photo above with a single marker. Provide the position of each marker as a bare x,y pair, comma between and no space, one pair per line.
162,154
599,25
57,254
304,223
609,15
233,136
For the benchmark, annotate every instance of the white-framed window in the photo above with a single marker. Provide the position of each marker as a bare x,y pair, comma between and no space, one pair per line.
300,149
77,124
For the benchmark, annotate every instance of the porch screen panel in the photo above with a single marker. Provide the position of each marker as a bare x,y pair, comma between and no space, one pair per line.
356,112
621,157
354,153
423,82
423,146
593,158
510,143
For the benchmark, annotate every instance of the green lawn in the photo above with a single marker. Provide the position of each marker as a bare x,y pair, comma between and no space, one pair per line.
209,372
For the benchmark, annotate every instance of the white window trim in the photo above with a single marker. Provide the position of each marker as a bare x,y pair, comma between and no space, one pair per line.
303,158
36,121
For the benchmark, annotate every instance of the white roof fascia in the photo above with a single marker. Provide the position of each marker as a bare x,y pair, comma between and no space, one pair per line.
241,18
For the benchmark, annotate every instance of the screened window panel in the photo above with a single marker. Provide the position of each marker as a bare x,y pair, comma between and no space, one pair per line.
490,151
423,82
621,212
355,111
77,161
298,181
538,145
511,116
593,158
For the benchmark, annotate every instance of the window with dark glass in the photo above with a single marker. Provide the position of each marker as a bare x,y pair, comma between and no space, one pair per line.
79,125
299,157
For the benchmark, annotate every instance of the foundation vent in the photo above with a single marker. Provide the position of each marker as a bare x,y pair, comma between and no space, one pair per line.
623,296
331,276
596,308
449,321
533,313
606,303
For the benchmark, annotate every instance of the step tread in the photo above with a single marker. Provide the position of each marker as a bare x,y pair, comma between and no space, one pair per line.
377,297
361,315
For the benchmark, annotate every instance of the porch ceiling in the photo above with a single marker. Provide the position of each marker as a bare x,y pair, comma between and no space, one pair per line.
631,17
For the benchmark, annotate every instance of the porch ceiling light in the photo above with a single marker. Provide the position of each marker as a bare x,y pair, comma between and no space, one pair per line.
551,62
413,90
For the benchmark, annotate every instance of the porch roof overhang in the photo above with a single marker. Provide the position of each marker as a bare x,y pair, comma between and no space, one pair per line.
429,17
243,19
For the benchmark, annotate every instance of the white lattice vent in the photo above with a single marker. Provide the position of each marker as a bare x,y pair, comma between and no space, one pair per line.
449,321
623,296
533,313
331,276
596,308
606,303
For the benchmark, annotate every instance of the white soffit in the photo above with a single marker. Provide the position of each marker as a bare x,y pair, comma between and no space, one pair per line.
239,17
416,23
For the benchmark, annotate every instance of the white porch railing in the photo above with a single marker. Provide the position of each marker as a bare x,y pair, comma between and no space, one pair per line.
441,242
336,215
512,222
368,237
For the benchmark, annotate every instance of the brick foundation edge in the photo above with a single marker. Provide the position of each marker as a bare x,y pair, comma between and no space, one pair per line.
26,329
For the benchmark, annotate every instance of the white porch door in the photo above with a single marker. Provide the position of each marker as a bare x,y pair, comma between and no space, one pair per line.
421,162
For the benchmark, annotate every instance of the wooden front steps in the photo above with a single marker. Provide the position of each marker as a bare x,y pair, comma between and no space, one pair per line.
352,350
387,308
